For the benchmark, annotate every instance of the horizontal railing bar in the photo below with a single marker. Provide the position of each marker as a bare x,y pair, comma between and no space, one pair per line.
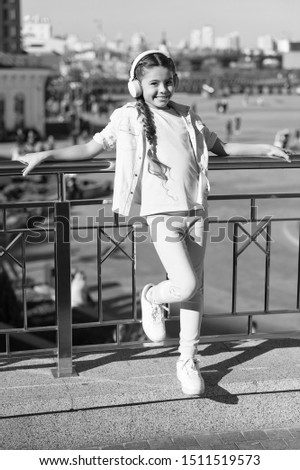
211,220
252,163
88,202
175,318
83,202
256,336
96,227
27,205
29,353
122,345
249,220
35,329
130,321
252,313
267,195
27,230
9,167
14,167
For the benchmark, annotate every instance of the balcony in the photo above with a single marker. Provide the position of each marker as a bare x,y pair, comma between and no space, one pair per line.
94,360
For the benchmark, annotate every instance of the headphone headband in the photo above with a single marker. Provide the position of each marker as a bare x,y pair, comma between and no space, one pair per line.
134,86
140,57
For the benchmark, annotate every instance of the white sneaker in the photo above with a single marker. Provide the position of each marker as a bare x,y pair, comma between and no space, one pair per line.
153,319
188,373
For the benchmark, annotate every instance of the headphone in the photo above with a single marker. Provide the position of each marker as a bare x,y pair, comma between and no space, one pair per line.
134,86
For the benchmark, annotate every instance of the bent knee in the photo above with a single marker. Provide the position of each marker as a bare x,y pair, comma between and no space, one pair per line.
189,288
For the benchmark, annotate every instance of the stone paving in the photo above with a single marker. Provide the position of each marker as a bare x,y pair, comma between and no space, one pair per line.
131,399
266,439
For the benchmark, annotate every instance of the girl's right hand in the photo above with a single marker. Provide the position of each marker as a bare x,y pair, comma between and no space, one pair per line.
31,160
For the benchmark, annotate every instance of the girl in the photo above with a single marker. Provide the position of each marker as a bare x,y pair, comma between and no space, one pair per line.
161,164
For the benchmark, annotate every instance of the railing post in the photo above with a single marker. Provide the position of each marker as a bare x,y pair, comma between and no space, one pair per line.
63,289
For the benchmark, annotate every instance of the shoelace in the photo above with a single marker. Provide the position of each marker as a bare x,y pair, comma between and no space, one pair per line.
157,311
191,365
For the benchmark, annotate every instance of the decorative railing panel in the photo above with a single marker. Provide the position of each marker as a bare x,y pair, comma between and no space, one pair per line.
47,233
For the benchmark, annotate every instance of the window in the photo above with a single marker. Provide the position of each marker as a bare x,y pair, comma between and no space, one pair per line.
2,116
12,15
19,110
5,31
2,107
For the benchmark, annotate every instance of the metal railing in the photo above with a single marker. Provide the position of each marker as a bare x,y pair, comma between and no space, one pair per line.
60,229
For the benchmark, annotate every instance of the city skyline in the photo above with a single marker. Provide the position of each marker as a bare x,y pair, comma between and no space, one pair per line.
278,18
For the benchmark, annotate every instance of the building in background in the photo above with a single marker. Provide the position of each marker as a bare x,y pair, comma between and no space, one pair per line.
38,39
283,45
10,37
203,38
207,37
22,98
291,59
229,42
195,40
266,44
222,43
234,41
138,44
23,77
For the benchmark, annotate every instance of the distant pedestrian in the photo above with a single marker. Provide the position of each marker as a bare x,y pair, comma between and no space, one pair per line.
50,143
295,143
33,142
20,141
282,138
194,107
237,124
245,99
228,129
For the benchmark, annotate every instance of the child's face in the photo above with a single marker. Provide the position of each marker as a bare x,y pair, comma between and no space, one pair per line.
158,86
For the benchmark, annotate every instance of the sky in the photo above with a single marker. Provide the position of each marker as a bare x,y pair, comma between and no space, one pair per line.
175,18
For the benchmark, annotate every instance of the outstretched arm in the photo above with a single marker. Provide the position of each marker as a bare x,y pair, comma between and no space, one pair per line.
74,152
235,149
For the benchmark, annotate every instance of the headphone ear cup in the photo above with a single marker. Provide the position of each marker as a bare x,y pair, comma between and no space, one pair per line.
135,88
176,81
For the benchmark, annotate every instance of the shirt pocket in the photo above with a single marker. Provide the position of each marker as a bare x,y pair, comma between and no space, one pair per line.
128,136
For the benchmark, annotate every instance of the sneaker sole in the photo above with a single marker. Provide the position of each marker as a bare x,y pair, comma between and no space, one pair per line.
159,339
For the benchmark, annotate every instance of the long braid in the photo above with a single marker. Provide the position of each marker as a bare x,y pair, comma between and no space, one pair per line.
155,167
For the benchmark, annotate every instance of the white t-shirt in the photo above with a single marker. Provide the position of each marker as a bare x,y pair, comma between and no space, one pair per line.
175,150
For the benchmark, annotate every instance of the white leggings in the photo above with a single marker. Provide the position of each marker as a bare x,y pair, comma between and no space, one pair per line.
180,239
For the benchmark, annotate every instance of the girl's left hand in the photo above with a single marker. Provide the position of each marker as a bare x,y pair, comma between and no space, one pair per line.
279,153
